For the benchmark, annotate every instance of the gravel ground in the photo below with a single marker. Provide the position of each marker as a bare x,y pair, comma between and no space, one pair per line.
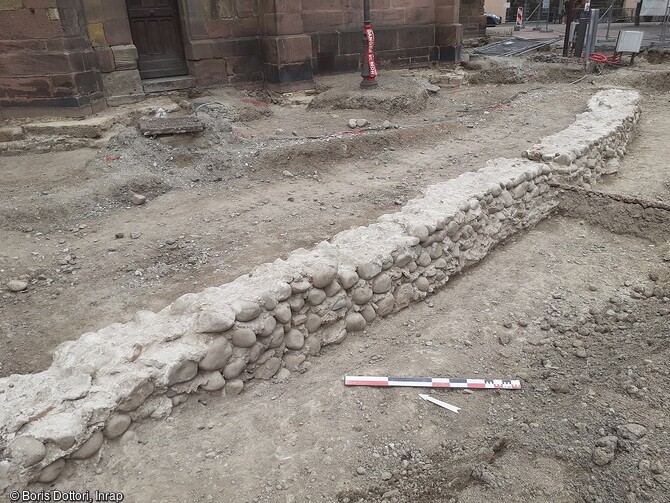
583,323
590,424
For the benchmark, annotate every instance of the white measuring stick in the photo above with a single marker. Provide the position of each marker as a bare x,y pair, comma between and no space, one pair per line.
433,382
445,405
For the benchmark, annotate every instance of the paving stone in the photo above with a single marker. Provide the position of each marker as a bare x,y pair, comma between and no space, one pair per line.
155,126
92,127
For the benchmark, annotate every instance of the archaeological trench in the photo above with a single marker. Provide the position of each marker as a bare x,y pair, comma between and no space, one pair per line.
284,312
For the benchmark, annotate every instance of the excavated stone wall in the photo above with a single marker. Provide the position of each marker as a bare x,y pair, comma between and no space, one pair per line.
274,317
594,143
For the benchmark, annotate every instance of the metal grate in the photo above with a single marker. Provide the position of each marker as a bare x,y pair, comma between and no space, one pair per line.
514,46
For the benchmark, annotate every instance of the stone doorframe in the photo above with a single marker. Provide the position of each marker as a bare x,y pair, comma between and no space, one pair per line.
109,31
262,41
256,41
206,50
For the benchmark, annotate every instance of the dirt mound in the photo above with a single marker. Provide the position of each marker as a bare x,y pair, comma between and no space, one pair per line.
550,57
548,67
500,75
657,55
653,81
394,95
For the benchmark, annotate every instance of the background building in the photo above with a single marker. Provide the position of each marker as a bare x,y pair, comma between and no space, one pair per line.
72,57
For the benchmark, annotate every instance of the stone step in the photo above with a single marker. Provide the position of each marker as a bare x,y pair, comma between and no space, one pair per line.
167,84
92,127
152,126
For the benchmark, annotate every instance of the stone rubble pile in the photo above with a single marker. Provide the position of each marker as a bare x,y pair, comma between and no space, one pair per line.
273,318
594,143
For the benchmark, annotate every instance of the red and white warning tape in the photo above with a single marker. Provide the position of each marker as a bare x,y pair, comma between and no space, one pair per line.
370,53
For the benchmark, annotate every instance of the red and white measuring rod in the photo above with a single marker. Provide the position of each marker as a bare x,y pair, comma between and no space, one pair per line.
432,382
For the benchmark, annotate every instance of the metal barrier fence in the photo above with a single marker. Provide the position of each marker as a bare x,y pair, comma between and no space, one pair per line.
614,14
618,15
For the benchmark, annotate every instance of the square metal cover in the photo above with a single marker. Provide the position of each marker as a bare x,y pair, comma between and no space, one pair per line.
513,46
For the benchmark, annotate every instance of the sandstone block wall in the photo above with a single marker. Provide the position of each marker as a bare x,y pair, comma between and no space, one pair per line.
109,32
46,61
90,47
406,33
472,18
322,36
277,316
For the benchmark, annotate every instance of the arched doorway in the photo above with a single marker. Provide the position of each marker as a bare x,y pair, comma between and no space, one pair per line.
155,28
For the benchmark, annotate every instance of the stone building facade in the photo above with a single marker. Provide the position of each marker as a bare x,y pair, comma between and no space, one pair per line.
73,57
472,19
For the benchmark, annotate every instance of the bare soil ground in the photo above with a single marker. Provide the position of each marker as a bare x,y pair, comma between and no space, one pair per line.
521,313
216,209
563,314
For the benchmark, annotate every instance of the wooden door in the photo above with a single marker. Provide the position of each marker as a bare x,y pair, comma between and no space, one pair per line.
155,28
